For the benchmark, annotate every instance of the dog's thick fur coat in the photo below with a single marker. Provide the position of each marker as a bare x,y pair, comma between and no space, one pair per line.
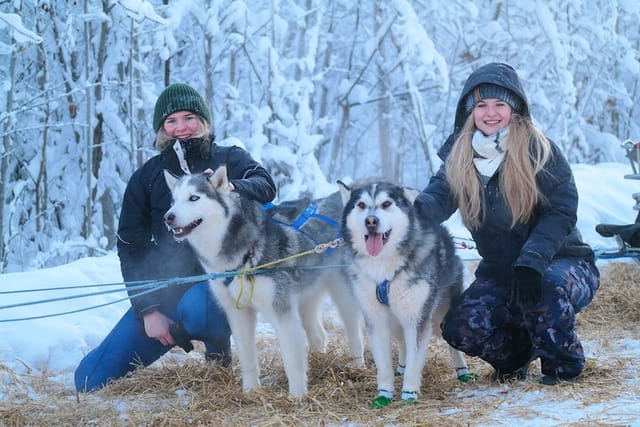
404,277
232,233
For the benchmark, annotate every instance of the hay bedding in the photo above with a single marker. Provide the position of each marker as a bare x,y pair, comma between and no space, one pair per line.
181,390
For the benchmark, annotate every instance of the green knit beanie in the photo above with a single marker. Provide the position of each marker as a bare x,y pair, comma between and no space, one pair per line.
179,97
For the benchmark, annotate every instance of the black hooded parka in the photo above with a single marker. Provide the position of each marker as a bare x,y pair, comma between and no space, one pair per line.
146,248
550,233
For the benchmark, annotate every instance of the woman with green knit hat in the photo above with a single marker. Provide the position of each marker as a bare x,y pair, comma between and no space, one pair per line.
175,314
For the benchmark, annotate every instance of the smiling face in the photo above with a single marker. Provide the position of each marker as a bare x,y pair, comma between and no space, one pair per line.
182,125
491,115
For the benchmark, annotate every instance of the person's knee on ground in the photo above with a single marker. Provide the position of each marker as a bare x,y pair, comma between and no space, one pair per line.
123,350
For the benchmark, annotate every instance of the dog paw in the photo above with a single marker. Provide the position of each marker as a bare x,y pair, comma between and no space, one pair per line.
408,402
409,397
356,363
468,377
380,402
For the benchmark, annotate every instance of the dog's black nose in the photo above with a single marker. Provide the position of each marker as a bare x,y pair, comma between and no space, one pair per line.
371,222
168,218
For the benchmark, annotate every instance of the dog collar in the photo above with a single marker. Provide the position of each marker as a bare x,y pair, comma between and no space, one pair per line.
382,292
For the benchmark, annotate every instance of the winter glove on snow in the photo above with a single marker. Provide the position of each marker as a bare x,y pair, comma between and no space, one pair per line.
181,337
527,286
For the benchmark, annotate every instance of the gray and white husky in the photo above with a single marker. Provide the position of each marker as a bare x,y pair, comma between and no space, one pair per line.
232,233
404,277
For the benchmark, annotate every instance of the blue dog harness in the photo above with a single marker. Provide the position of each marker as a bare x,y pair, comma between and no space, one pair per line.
308,213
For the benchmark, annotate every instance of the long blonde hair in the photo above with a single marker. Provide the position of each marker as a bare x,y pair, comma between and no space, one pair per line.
527,153
163,140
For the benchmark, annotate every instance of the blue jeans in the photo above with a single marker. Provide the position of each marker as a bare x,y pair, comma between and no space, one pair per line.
127,346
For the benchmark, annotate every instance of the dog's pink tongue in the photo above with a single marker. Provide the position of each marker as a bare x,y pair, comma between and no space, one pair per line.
374,244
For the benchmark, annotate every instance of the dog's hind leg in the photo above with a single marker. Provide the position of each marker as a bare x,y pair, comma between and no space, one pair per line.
293,348
460,365
351,315
311,314
457,357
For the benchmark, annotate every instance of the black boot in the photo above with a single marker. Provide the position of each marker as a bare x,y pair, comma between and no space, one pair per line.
219,353
519,374
500,376
556,379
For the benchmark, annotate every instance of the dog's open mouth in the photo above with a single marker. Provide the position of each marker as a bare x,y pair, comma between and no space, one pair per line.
180,232
374,242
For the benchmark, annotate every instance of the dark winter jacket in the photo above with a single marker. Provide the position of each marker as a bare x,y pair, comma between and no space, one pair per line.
550,233
146,248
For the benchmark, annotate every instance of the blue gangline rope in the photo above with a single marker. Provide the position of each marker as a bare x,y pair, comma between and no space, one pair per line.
148,286
145,286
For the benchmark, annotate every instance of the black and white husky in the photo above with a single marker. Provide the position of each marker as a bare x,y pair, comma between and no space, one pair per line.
404,277
232,233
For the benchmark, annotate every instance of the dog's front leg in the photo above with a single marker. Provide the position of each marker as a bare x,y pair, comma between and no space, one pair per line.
378,323
398,334
416,345
243,330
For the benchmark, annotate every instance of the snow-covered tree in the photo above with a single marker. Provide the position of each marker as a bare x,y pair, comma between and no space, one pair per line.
317,90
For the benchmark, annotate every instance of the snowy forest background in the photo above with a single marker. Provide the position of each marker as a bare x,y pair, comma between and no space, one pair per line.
316,90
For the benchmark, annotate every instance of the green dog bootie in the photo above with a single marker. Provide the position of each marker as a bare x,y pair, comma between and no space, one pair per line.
380,402
468,377
385,397
464,376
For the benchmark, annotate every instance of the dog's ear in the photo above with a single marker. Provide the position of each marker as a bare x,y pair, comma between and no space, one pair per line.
218,179
170,179
411,194
345,191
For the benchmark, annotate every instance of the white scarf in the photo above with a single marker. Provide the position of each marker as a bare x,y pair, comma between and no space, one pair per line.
490,151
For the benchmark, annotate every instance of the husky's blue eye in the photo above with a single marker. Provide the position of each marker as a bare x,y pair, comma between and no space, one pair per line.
386,204
194,198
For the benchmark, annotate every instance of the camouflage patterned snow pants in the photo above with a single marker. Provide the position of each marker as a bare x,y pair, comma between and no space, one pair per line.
483,322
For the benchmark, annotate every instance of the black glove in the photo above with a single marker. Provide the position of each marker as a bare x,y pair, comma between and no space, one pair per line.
195,147
181,337
527,286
